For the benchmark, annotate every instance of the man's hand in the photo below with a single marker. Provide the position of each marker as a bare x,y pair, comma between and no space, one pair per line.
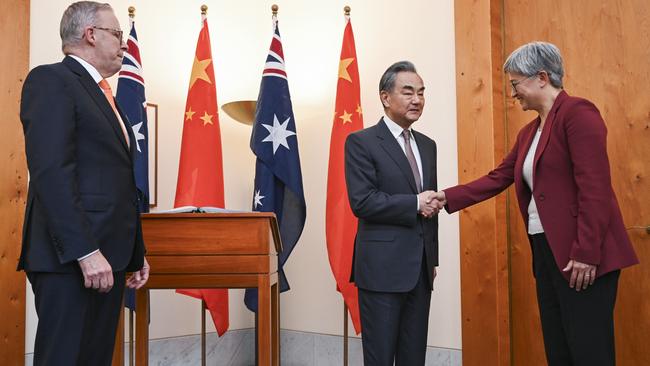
139,278
582,274
428,204
97,272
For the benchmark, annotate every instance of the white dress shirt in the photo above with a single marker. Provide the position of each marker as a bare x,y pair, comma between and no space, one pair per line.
98,77
396,130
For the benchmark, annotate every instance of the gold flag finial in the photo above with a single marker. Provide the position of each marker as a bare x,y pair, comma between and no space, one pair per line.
274,9
131,12
346,10
204,9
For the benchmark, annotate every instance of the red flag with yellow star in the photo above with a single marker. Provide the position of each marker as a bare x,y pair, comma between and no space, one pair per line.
340,222
200,170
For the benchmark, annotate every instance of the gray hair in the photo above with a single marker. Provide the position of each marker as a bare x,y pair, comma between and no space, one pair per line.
75,19
534,57
387,81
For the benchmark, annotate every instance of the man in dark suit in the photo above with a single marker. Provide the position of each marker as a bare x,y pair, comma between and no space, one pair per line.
390,172
82,229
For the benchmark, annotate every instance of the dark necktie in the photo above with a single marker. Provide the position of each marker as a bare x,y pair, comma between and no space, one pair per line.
411,158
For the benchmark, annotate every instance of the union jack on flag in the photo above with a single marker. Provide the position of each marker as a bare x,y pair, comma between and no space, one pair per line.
275,60
278,178
131,100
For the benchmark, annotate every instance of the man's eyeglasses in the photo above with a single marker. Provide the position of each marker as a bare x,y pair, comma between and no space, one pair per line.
115,32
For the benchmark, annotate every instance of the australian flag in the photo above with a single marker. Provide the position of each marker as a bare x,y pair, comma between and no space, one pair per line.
130,97
278,178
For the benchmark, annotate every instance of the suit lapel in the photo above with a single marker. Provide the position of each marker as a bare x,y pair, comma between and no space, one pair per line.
98,97
546,131
390,145
129,130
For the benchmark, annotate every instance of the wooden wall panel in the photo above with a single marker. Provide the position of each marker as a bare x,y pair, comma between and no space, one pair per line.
606,53
526,328
14,58
481,145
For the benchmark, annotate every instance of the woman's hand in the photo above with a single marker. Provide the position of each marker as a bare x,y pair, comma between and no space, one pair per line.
582,274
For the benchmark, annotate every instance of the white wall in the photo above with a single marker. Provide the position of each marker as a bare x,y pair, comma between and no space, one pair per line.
385,31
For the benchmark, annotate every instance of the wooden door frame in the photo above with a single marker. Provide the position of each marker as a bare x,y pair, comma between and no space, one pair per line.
14,58
482,143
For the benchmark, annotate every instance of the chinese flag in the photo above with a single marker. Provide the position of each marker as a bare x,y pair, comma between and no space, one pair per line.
200,170
340,222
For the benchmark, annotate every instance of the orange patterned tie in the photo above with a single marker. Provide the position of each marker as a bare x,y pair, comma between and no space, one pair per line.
108,93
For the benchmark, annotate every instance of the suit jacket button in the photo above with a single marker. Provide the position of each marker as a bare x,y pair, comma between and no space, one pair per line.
541,197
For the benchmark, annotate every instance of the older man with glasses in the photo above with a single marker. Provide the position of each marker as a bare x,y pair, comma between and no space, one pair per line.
82,229
390,172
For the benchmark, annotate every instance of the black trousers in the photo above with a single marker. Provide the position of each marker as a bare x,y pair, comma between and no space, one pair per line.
578,327
395,325
76,325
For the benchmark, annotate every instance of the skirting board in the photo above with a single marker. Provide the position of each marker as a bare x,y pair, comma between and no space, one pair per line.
237,348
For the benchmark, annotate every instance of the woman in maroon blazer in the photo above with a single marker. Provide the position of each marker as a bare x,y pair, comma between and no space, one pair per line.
560,169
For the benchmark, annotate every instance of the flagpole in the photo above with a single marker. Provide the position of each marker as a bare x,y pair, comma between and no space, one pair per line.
204,14
274,11
131,15
131,311
203,333
346,14
274,20
131,353
345,334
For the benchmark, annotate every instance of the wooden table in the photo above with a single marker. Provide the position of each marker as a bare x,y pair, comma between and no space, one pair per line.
222,250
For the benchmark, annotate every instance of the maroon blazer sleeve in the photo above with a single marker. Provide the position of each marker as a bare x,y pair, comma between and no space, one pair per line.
587,141
488,186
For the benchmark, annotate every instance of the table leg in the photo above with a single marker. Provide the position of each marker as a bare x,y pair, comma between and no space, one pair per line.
118,350
264,320
275,323
142,327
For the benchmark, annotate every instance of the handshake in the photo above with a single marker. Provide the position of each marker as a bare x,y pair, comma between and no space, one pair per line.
431,202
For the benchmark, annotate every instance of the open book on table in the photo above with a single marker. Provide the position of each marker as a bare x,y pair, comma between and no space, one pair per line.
195,209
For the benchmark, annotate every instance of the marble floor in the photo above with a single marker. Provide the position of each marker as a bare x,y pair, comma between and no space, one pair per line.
237,348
